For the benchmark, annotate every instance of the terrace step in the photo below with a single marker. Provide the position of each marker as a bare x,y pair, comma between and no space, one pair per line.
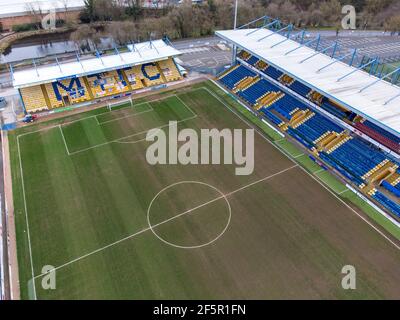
382,174
261,65
228,71
245,82
301,117
337,143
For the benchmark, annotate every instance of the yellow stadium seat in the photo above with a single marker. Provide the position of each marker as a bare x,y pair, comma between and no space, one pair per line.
33,98
169,70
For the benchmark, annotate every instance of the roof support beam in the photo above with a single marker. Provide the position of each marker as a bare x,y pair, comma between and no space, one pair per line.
302,33
392,99
319,52
333,62
153,46
335,49
263,27
318,42
34,63
59,66
135,49
287,38
11,71
355,70
275,32
256,20
304,44
378,80
373,67
79,60
98,55
396,77
353,58
118,53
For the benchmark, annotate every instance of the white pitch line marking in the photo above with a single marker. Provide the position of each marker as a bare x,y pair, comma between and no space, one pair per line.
26,217
65,142
172,218
311,175
127,116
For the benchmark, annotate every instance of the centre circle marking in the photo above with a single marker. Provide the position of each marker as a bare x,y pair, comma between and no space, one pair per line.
162,222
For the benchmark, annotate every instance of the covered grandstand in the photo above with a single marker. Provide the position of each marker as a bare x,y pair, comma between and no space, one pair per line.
344,114
87,78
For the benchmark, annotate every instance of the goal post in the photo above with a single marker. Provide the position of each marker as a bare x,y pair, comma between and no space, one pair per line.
124,103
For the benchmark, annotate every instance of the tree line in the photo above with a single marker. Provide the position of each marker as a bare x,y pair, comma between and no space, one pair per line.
127,20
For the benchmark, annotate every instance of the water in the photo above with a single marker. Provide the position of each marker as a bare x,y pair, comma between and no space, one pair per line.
38,47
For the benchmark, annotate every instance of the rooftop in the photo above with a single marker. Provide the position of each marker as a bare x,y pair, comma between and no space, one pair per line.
141,53
335,79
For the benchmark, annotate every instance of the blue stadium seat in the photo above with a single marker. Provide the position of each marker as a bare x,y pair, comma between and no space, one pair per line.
273,72
358,156
300,88
143,68
387,203
74,88
382,131
233,77
317,126
253,60
390,188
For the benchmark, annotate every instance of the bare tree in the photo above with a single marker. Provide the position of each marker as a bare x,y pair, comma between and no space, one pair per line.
65,5
36,12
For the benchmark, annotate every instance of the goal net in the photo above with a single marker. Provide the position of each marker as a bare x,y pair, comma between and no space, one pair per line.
120,104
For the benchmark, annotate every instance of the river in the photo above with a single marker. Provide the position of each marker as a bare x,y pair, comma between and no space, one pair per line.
38,47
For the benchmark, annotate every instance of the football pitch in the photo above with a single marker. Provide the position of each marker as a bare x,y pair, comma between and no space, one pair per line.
88,203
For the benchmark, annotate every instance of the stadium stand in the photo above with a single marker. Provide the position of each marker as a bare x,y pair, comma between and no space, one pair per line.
107,75
151,74
68,91
351,121
54,102
358,160
235,75
382,136
33,98
388,203
168,68
300,88
134,76
273,73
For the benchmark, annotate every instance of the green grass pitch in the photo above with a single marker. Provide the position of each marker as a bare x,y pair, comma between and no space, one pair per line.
82,190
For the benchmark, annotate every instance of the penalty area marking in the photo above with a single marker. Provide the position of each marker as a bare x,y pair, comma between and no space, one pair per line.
120,140
124,117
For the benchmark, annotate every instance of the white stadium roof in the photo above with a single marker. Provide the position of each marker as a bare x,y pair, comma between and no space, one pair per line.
371,102
142,53
13,8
